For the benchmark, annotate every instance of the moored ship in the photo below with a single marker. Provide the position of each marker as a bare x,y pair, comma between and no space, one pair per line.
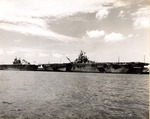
19,65
83,64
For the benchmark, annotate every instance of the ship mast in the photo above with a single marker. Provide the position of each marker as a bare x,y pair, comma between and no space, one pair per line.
118,59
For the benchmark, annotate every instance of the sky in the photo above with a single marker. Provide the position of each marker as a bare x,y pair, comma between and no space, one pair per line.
46,31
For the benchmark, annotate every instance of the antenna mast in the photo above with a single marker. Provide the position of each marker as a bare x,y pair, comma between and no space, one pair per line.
118,59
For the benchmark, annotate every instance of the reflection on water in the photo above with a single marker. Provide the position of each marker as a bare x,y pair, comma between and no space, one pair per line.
54,95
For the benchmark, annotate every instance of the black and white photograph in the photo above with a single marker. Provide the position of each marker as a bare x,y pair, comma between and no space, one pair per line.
74,59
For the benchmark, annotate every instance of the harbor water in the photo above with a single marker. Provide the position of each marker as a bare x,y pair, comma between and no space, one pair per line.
64,95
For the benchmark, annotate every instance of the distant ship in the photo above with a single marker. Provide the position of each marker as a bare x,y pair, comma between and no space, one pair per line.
83,64
18,65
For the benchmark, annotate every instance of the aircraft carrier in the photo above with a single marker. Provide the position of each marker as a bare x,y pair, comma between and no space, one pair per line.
83,64
19,66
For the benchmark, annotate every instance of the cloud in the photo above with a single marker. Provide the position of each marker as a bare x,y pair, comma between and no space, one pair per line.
24,52
57,55
130,35
104,10
18,40
10,52
124,15
38,8
43,55
102,13
34,11
121,14
141,18
95,33
27,29
120,4
20,49
32,16
137,35
29,54
7,52
35,30
113,37
2,52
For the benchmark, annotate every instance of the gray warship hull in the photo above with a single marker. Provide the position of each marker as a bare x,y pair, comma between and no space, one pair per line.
19,67
83,64
123,67
128,68
57,67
